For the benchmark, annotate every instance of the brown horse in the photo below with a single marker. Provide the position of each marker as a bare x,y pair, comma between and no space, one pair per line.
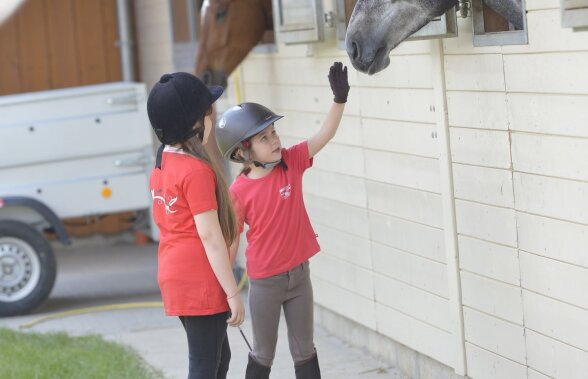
228,31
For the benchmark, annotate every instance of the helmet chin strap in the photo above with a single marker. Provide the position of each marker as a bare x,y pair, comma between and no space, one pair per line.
265,166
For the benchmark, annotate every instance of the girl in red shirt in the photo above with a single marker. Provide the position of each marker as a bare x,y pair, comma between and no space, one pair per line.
280,240
192,208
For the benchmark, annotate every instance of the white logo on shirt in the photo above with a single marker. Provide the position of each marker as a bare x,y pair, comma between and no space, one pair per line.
286,192
161,200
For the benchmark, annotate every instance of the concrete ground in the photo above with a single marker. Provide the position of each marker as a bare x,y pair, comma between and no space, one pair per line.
120,273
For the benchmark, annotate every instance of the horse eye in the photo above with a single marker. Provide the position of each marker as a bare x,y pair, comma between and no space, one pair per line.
221,14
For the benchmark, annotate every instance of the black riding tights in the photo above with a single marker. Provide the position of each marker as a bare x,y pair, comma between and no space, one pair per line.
208,345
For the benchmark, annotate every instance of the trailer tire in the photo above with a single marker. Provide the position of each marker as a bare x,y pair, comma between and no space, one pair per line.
27,268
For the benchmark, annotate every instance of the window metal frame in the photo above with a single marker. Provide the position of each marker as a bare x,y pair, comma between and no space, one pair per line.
574,14
482,38
302,32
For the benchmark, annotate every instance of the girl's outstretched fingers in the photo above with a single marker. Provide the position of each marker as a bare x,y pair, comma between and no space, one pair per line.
339,82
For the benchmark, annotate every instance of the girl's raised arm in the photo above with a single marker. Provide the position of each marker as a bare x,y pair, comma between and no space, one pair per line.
340,87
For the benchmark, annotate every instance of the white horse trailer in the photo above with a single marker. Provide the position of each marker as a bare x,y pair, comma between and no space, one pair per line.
65,153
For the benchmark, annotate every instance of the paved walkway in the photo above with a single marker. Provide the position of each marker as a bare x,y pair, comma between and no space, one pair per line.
92,276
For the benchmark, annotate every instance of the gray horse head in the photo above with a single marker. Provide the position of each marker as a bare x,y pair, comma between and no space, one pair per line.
378,26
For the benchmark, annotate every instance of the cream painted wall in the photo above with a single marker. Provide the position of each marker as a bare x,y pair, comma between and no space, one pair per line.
518,124
154,39
518,138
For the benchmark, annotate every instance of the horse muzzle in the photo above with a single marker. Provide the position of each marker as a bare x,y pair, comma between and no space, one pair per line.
214,78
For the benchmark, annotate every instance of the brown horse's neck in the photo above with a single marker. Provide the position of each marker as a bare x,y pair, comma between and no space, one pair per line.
229,31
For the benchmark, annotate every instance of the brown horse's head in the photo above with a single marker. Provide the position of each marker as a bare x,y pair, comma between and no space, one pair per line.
229,30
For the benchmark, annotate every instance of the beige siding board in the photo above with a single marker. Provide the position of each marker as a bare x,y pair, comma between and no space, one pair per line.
484,185
486,222
338,215
557,198
552,318
417,335
547,73
492,297
344,275
547,35
296,98
334,186
400,137
296,71
495,335
554,358
554,239
395,104
412,48
338,300
550,114
407,236
419,272
344,246
413,71
557,280
406,203
341,159
563,157
488,148
489,259
154,38
532,374
542,4
403,170
462,72
480,110
411,301
483,364
304,125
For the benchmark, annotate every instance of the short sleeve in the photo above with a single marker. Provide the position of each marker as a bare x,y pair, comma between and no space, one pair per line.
199,187
298,156
239,210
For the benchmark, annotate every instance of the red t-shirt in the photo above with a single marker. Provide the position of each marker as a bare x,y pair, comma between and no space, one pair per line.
184,187
280,236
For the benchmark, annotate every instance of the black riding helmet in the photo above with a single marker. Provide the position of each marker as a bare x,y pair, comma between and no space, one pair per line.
175,104
239,124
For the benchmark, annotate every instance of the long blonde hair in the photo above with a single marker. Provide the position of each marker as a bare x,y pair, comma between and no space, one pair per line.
226,212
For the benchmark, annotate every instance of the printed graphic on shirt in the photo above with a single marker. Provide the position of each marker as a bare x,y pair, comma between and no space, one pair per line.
286,192
167,204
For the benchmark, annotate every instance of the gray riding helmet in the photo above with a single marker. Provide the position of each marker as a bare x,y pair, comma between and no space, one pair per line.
240,123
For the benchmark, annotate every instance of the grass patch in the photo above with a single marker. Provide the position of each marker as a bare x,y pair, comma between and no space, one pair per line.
58,355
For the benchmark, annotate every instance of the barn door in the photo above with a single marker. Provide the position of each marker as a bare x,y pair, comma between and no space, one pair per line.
50,44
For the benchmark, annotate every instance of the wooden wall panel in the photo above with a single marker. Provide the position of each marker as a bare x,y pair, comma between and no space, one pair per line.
32,53
51,44
9,68
110,41
63,60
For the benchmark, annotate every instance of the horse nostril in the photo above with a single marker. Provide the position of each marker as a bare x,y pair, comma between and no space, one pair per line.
354,51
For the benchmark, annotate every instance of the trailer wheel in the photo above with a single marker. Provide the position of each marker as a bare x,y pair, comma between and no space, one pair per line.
27,268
